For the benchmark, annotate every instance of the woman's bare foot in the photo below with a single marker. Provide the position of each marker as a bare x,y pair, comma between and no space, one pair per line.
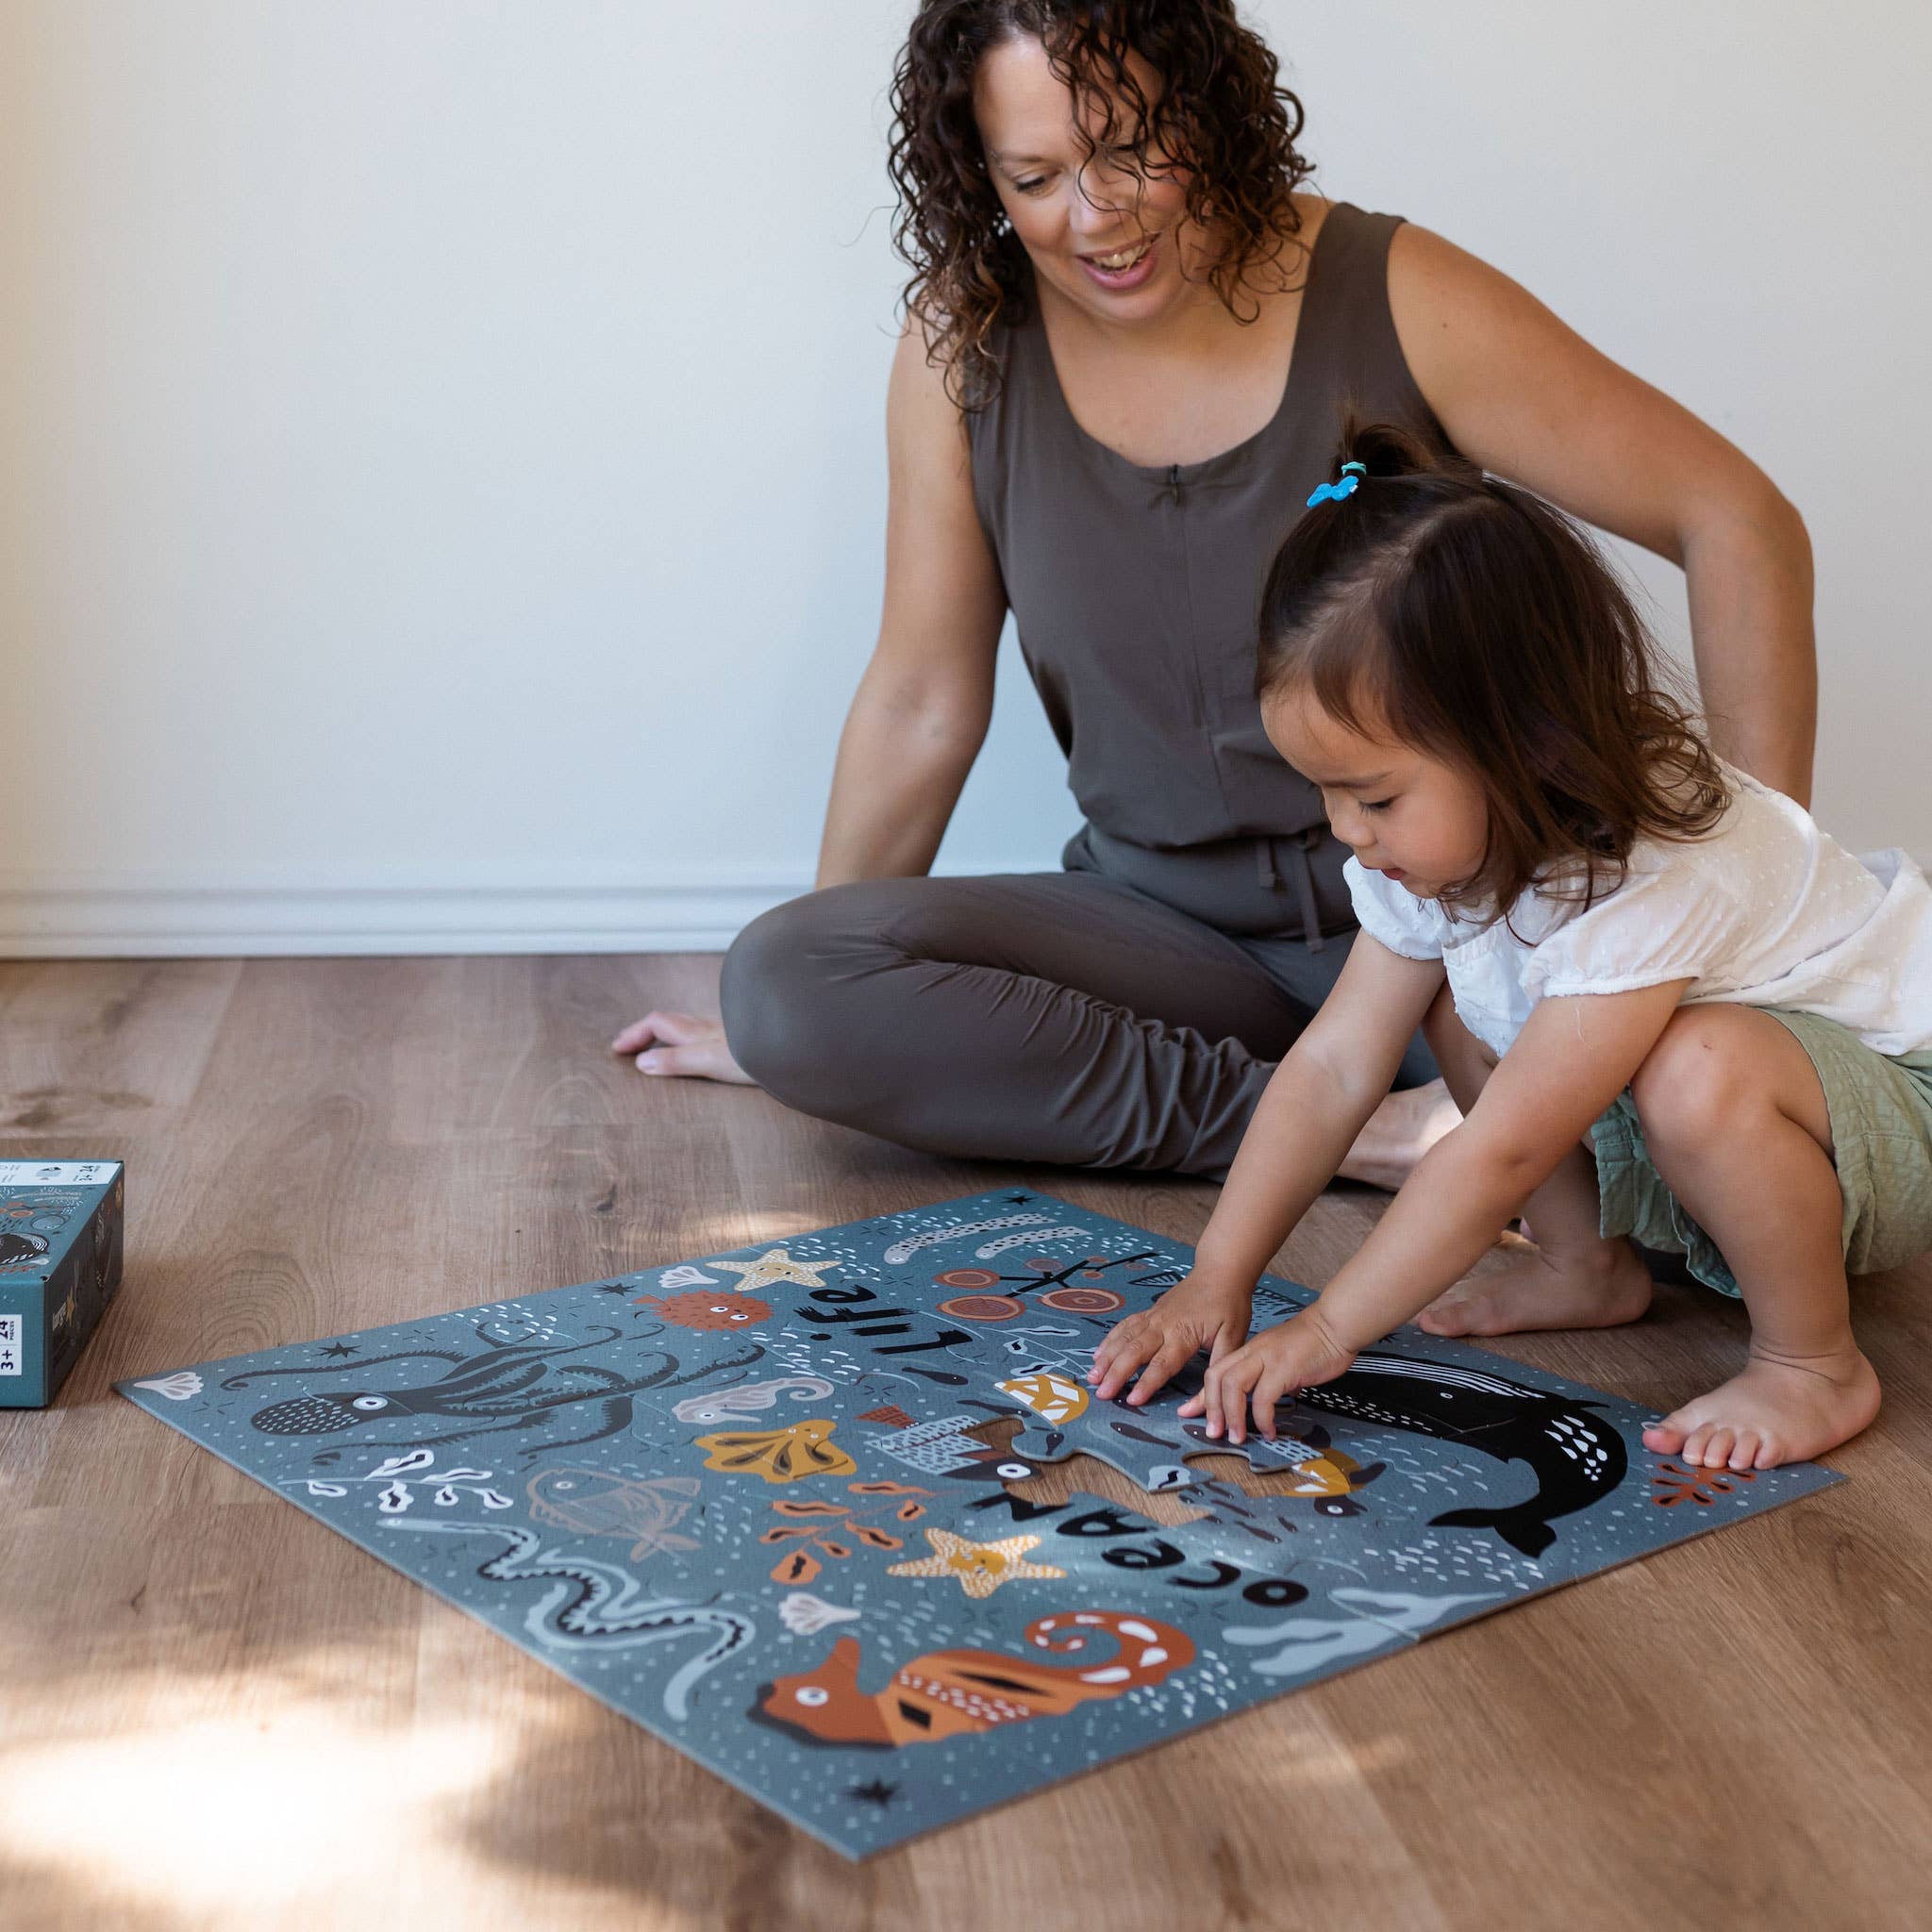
1778,1410
686,1043
1599,1287
1400,1132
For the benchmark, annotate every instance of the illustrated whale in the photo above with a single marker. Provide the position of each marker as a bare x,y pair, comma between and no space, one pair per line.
1576,1457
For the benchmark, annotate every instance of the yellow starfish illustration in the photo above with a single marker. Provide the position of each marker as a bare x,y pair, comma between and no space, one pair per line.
775,1265
980,1568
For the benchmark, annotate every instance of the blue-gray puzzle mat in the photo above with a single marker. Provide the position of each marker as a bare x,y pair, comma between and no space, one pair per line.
746,1501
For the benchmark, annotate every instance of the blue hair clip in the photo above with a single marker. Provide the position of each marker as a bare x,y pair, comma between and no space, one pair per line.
1348,486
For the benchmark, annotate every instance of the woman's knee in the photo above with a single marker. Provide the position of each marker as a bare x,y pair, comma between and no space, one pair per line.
794,987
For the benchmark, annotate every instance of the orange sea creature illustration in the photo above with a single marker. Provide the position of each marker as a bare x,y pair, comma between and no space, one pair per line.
949,1694
825,1528
779,1455
1675,1484
717,1308
978,1568
1047,1393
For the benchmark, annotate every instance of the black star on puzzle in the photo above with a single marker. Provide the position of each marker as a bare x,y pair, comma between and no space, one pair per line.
877,1792
339,1348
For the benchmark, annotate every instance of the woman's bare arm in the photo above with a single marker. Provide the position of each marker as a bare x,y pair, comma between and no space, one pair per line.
921,708
1524,395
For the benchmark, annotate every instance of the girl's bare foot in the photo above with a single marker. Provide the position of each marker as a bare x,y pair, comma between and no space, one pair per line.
1596,1287
1399,1133
686,1043
1778,1410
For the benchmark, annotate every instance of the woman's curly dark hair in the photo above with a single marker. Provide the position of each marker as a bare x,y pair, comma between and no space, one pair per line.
1219,113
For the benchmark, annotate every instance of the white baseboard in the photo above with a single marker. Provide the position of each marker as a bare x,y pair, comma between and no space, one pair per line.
179,915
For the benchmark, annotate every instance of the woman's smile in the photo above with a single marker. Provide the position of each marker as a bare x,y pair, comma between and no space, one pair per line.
1123,269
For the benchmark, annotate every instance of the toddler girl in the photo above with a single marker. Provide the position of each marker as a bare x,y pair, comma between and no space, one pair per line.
1676,1009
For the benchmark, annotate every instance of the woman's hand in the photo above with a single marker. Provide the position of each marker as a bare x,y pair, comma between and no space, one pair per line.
1302,1351
1199,1312
686,1043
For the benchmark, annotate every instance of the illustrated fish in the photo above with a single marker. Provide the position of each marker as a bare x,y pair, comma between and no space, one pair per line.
591,1502
1321,1474
779,1455
722,1310
952,1694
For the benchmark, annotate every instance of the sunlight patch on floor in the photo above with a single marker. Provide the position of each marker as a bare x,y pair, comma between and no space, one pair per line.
191,1808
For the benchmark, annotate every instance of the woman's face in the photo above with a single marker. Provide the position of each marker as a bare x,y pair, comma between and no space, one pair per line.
1110,241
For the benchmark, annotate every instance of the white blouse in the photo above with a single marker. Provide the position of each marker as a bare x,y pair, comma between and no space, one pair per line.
1763,911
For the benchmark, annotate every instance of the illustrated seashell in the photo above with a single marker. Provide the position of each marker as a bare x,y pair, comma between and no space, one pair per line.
183,1385
686,1276
779,1455
805,1615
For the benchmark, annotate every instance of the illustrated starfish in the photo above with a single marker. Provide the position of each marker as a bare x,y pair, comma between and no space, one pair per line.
775,1265
339,1348
877,1792
978,1568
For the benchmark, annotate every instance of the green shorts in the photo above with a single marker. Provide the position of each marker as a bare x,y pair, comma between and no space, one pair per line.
1881,1128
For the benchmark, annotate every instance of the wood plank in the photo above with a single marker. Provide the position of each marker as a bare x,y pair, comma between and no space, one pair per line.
221,1715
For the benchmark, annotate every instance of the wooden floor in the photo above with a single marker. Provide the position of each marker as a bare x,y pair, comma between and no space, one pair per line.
214,1713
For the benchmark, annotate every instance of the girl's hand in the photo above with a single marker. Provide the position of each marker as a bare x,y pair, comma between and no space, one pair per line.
1302,1351
1196,1313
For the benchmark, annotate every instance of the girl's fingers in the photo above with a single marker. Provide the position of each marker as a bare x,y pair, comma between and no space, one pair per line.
1236,1378
1110,1344
1267,1391
1208,1404
1127,1356
1171,1355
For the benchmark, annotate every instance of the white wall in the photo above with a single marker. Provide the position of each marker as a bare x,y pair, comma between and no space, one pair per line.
442,476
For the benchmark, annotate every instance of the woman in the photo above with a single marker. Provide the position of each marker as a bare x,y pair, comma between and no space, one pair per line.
1129,336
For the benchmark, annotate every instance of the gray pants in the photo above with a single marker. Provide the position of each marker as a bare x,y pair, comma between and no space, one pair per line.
1060,1017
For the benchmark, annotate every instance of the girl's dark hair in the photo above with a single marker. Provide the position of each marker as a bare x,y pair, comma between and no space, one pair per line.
1443,608
1219,113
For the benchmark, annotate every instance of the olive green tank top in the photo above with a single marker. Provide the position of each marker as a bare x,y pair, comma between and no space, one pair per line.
1136,591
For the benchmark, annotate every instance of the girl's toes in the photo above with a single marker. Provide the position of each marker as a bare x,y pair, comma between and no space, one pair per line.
1666,1437
1744,1455
1695,1443
1717,1451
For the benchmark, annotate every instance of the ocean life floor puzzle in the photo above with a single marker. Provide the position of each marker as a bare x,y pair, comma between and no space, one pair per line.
750,1502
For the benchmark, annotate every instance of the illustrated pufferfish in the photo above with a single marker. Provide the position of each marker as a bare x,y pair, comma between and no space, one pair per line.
712,1309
